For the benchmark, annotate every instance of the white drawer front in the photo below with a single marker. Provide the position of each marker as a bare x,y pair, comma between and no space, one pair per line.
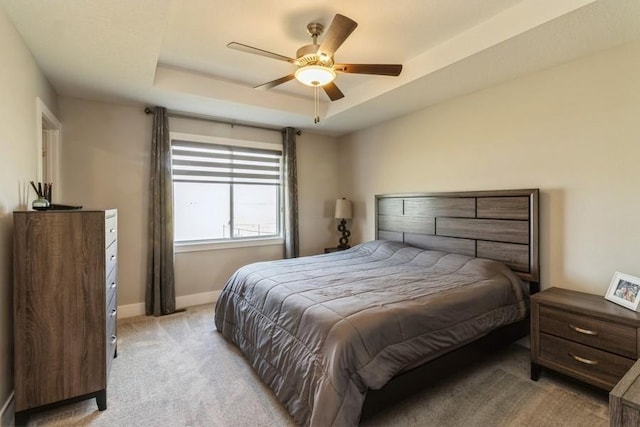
111,258
110,230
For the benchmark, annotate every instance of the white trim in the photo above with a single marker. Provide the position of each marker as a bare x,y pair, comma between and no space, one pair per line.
132,310
197,299
45,119
7,414
180,247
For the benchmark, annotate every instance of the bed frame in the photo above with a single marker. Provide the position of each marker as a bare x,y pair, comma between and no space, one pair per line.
501,225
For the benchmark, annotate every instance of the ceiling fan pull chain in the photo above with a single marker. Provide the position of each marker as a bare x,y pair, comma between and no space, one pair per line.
316,104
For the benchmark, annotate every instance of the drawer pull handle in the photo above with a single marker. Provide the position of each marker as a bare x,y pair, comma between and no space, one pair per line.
583,360
114,339
112,230
113,312
112,257
583,331
113,285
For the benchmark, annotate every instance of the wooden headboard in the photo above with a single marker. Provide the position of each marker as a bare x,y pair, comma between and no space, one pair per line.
500,225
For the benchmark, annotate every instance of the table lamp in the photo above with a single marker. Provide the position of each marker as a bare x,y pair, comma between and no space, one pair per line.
343,213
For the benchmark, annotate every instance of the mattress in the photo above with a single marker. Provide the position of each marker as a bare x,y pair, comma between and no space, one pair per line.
322,330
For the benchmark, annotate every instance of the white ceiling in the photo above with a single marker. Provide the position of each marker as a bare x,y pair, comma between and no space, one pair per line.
173,52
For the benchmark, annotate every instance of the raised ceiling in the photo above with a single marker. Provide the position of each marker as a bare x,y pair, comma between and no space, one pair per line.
173,52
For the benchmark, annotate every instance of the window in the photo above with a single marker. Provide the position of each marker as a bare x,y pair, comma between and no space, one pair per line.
224,189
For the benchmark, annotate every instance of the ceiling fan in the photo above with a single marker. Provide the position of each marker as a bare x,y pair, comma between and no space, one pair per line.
316,66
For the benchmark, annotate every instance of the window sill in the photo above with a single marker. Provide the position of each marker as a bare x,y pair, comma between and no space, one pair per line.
214,246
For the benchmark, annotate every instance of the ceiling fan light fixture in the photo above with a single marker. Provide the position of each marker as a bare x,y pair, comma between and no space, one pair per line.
315,75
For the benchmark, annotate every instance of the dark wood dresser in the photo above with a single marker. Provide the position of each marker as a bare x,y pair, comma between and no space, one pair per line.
583,336
65,299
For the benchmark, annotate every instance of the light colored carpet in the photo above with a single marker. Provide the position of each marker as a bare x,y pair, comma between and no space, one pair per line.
178,371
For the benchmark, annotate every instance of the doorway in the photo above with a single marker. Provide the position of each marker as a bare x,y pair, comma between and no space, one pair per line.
48,149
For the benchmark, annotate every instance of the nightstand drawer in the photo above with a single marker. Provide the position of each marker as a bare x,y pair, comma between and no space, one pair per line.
589,364
608,336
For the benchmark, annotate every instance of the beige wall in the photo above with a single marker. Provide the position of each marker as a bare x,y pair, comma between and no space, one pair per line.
106,164
573,131
21,81
318,190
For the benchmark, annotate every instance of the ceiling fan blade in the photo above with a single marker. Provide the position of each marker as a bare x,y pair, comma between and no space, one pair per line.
338,31
276,82
250,49
332,91
377,69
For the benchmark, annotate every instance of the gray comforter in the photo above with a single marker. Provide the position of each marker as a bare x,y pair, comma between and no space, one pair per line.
322,330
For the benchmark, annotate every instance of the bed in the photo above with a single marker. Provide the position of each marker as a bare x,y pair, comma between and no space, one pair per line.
445,270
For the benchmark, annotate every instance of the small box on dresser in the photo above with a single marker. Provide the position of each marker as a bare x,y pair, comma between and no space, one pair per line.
65,299
583,336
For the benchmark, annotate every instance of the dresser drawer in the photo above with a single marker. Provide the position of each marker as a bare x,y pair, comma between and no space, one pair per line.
110,230
112,340
609,336
591,365
111,285
112,313
111,257
111,336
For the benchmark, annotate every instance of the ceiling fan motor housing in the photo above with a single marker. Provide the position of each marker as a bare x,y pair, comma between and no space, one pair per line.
308,55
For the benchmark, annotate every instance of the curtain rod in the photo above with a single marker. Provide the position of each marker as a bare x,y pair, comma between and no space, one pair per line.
181,115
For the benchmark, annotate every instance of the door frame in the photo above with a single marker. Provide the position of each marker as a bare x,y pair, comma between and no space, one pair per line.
47,122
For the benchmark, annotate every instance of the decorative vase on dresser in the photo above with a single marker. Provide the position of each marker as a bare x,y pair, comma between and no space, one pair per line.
65,299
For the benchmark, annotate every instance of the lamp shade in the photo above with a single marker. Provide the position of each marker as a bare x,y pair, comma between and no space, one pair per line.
343,209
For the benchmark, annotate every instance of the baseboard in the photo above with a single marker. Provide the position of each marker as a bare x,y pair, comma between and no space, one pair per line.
132,310
7,414
197,299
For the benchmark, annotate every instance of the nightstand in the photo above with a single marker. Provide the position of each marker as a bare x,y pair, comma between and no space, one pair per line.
583,336
336,249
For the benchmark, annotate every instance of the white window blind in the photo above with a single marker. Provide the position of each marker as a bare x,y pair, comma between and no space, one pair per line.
216,163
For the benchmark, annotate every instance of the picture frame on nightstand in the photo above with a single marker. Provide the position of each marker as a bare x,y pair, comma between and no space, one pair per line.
624,290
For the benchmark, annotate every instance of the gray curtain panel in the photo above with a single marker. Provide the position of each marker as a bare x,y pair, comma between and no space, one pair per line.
161,296
291,237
